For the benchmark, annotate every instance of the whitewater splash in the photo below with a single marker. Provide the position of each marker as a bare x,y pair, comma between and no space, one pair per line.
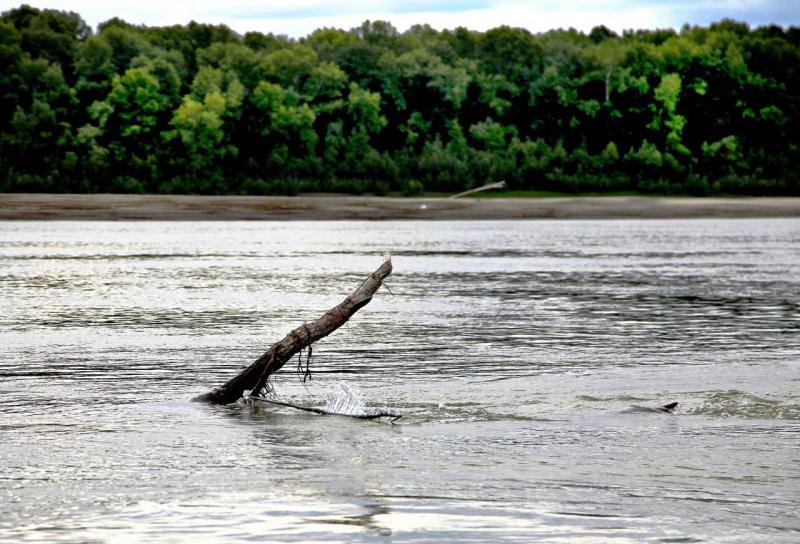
345,400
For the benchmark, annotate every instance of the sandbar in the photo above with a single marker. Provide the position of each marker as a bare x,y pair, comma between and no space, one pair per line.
26,206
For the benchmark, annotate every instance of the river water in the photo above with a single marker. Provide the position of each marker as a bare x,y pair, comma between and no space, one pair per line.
509,348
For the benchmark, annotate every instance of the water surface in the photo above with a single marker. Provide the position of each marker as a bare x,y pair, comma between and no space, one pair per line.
510,348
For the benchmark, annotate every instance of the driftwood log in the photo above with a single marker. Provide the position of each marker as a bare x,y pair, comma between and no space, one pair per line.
254,377
498,185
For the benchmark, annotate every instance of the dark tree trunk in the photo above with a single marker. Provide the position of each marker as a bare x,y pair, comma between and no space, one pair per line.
254,377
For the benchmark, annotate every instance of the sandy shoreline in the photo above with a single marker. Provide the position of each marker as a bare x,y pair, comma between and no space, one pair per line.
330,207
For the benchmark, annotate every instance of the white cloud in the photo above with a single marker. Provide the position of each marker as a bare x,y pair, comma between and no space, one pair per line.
301,17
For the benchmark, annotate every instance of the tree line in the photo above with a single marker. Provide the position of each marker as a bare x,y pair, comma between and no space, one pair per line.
201,109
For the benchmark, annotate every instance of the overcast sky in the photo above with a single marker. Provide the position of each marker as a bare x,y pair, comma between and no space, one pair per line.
298,18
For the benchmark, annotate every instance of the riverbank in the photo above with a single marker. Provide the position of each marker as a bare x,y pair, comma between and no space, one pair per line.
330,207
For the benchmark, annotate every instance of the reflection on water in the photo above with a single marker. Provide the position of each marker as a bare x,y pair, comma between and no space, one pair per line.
510,348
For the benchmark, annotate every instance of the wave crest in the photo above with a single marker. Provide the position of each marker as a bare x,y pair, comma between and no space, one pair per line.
738,404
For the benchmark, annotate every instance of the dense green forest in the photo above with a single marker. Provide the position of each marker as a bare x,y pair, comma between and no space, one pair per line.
202,109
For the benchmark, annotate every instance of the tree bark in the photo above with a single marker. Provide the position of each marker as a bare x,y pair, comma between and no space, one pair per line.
254,377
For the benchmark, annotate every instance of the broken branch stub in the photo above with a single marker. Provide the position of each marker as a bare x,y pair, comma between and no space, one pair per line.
254,377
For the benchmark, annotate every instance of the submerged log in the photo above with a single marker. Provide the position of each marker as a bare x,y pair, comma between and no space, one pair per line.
255,376
375,415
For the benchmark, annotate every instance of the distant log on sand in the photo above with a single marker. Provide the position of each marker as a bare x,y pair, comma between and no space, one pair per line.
488,186
254,378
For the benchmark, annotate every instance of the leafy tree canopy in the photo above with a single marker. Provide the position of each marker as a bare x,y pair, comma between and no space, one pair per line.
197,108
